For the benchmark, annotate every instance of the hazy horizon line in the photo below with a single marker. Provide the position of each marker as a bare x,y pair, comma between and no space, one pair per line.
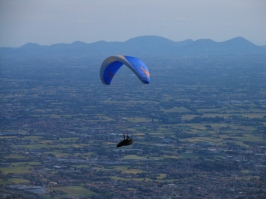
261,45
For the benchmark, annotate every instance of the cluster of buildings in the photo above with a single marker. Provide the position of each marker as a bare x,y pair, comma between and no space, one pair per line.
197,170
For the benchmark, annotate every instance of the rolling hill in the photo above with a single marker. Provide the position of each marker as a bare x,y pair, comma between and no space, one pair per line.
139,46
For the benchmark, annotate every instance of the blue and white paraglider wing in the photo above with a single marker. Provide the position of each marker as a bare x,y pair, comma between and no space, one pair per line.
112,64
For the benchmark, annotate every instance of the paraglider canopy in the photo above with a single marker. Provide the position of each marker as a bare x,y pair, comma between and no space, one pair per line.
113,63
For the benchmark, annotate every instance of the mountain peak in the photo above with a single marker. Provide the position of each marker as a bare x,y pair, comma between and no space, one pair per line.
208,41
149,39
239,41
78,44
30,45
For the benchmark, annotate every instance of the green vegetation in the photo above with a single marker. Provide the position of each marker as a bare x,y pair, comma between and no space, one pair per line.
16,169
72,191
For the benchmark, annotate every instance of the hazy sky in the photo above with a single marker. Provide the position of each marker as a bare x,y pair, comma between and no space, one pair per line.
48,22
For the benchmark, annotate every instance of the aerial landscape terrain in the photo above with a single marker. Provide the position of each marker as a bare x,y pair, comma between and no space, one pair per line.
199,127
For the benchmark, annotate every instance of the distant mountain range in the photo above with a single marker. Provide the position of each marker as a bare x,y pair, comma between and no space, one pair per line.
139,46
